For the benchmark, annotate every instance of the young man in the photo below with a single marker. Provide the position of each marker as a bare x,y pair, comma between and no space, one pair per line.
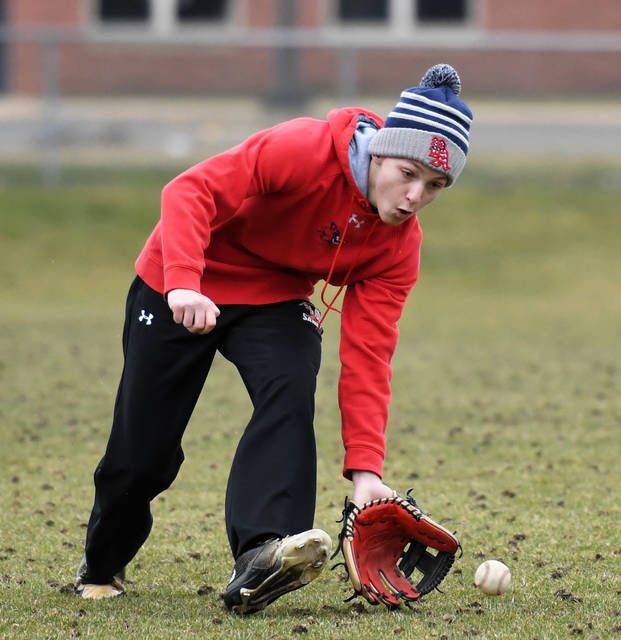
243,238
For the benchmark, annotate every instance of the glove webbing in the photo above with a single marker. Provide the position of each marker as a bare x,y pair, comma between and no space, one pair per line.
434,568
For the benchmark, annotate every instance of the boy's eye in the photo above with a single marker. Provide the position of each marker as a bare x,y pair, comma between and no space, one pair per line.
436,185
407,173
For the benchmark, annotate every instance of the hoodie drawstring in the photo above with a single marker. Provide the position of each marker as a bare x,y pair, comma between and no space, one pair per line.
330,305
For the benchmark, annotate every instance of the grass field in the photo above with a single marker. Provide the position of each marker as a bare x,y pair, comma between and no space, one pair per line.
506,418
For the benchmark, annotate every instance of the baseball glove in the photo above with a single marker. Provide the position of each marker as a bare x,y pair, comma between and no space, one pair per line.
385,541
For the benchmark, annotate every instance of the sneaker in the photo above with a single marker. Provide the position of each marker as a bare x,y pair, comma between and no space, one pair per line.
274,568
98,591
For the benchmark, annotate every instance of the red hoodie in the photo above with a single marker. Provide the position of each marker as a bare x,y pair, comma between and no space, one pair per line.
262,222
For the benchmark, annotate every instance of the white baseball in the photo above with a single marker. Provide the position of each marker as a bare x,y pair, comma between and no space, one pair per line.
492,577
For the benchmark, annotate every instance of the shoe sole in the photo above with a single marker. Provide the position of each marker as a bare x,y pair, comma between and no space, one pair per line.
99,591
90,591
302,559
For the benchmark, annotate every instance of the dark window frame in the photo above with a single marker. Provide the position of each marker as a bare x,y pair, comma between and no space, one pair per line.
423,13
444,12
368,11
124,11
221,11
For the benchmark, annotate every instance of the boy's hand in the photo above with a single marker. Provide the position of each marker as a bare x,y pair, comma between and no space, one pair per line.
368,486
196,312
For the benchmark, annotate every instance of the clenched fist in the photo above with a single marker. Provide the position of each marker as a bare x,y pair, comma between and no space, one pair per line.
196,312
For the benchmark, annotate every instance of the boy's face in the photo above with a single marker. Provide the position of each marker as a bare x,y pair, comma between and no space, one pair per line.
400,188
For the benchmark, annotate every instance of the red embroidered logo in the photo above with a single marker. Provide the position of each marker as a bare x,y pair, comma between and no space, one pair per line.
438,152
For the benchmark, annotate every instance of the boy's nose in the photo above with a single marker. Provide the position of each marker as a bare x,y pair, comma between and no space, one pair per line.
415,193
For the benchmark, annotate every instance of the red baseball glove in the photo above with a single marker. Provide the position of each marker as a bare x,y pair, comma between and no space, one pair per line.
385,541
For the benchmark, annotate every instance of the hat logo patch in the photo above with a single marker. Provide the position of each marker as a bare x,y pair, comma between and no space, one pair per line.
438,152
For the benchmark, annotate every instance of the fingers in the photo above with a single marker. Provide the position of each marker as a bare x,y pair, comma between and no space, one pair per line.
210,318
200,321
196,312
189,315
178,315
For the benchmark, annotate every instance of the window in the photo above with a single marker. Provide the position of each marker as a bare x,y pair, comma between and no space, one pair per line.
445,11
362,10
190,10
398,16
123,10
174,18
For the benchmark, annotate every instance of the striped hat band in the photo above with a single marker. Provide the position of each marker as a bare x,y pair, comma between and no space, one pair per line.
431,115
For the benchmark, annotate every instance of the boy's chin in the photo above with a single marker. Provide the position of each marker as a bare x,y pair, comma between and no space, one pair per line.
392,218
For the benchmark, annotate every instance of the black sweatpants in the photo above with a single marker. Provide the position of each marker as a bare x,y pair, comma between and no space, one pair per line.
272,483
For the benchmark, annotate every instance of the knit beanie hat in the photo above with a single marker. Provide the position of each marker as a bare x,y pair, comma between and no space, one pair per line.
429,124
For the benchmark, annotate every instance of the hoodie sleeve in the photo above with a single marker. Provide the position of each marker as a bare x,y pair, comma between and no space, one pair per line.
189,206
213,191
369,333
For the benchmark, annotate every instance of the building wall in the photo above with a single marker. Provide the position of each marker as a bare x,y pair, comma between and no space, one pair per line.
553,15
101,63
64,13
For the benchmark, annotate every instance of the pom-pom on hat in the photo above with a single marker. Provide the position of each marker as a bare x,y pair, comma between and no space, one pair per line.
429,124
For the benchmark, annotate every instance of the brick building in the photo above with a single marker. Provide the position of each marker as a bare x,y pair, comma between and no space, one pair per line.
501,47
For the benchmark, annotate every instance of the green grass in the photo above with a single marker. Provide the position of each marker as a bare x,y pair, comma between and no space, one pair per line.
506,418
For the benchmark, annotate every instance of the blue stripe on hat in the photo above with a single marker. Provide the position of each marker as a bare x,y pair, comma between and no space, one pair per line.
465,116
432,121
432,114
406,121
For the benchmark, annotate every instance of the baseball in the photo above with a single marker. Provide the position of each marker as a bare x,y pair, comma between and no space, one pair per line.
492,577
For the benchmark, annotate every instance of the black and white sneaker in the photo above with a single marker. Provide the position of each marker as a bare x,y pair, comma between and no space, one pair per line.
89,591
274,568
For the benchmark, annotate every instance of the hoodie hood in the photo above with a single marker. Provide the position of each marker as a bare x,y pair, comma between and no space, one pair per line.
359,154
343,124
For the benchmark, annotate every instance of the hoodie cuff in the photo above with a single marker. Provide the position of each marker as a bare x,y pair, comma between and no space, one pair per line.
181,278
363,459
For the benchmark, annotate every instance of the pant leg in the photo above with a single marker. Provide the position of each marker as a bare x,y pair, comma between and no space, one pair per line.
272,484
164,372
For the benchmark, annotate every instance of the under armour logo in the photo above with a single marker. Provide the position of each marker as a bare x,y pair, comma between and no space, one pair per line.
355,220
144,316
